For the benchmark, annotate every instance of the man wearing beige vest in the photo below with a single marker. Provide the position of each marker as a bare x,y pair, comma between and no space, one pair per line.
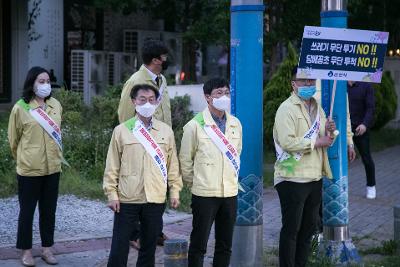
155,59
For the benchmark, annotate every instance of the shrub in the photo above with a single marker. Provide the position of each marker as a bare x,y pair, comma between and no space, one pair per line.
180,116
7,161
7,165
385,101
86,136
87,130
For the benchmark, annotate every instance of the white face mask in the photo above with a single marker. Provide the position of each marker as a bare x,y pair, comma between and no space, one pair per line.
223,103
147,110
43,90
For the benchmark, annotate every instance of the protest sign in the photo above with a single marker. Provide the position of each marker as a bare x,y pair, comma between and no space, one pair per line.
342,54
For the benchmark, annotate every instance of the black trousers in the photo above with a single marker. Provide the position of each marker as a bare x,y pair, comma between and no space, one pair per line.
136,230
205,211
150,217
362,144
31,190
300,203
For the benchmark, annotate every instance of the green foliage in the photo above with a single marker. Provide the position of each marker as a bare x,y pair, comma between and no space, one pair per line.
276,91
7,162
87,131
8,181
73,183
180,116
390,261
384,138
385,101
86,136
387,248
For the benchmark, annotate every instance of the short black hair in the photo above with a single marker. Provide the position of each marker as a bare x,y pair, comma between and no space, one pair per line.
27,92
145,87
214,83
153,48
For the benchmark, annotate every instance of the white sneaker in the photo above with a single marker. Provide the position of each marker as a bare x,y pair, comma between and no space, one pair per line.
371,192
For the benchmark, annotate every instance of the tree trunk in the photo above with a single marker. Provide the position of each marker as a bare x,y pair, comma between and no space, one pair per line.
273,64
189,60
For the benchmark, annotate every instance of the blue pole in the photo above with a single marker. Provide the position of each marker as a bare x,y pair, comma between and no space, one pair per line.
337,244
247,94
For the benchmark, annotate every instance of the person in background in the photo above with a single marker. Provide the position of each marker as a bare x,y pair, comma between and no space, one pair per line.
35,140
155,60
362,107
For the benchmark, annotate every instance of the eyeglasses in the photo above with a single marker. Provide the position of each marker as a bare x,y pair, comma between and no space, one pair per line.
163,57
141,100
219,93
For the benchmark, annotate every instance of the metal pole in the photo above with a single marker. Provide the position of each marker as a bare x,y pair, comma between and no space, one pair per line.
247,91
337,244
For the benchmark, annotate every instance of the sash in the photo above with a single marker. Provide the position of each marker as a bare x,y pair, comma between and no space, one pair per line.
46,122
288,161
221,142
149,144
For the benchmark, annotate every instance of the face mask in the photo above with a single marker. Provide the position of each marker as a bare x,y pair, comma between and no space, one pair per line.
223,103
164,65
306,92
147,110
43,90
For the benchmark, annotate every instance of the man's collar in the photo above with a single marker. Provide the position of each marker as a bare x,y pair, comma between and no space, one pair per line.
215,117
153,123
153,76
208,119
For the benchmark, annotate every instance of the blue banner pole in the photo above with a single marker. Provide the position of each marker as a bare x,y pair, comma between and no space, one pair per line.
247,94
337,244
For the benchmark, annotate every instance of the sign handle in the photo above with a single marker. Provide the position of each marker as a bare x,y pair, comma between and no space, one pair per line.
336,132
332,98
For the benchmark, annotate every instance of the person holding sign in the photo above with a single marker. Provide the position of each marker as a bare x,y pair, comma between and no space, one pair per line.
35,140
141,163
302,135
210,163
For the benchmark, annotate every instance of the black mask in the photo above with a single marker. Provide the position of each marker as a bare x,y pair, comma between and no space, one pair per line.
164,65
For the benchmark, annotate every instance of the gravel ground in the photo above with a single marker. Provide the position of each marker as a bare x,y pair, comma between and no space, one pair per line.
76,218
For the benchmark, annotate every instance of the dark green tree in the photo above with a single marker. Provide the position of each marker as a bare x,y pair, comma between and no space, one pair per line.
378,15
276,91
284,22
385,101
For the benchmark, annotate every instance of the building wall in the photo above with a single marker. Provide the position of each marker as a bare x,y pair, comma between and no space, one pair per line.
195,91
19,50
116,23
46,35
